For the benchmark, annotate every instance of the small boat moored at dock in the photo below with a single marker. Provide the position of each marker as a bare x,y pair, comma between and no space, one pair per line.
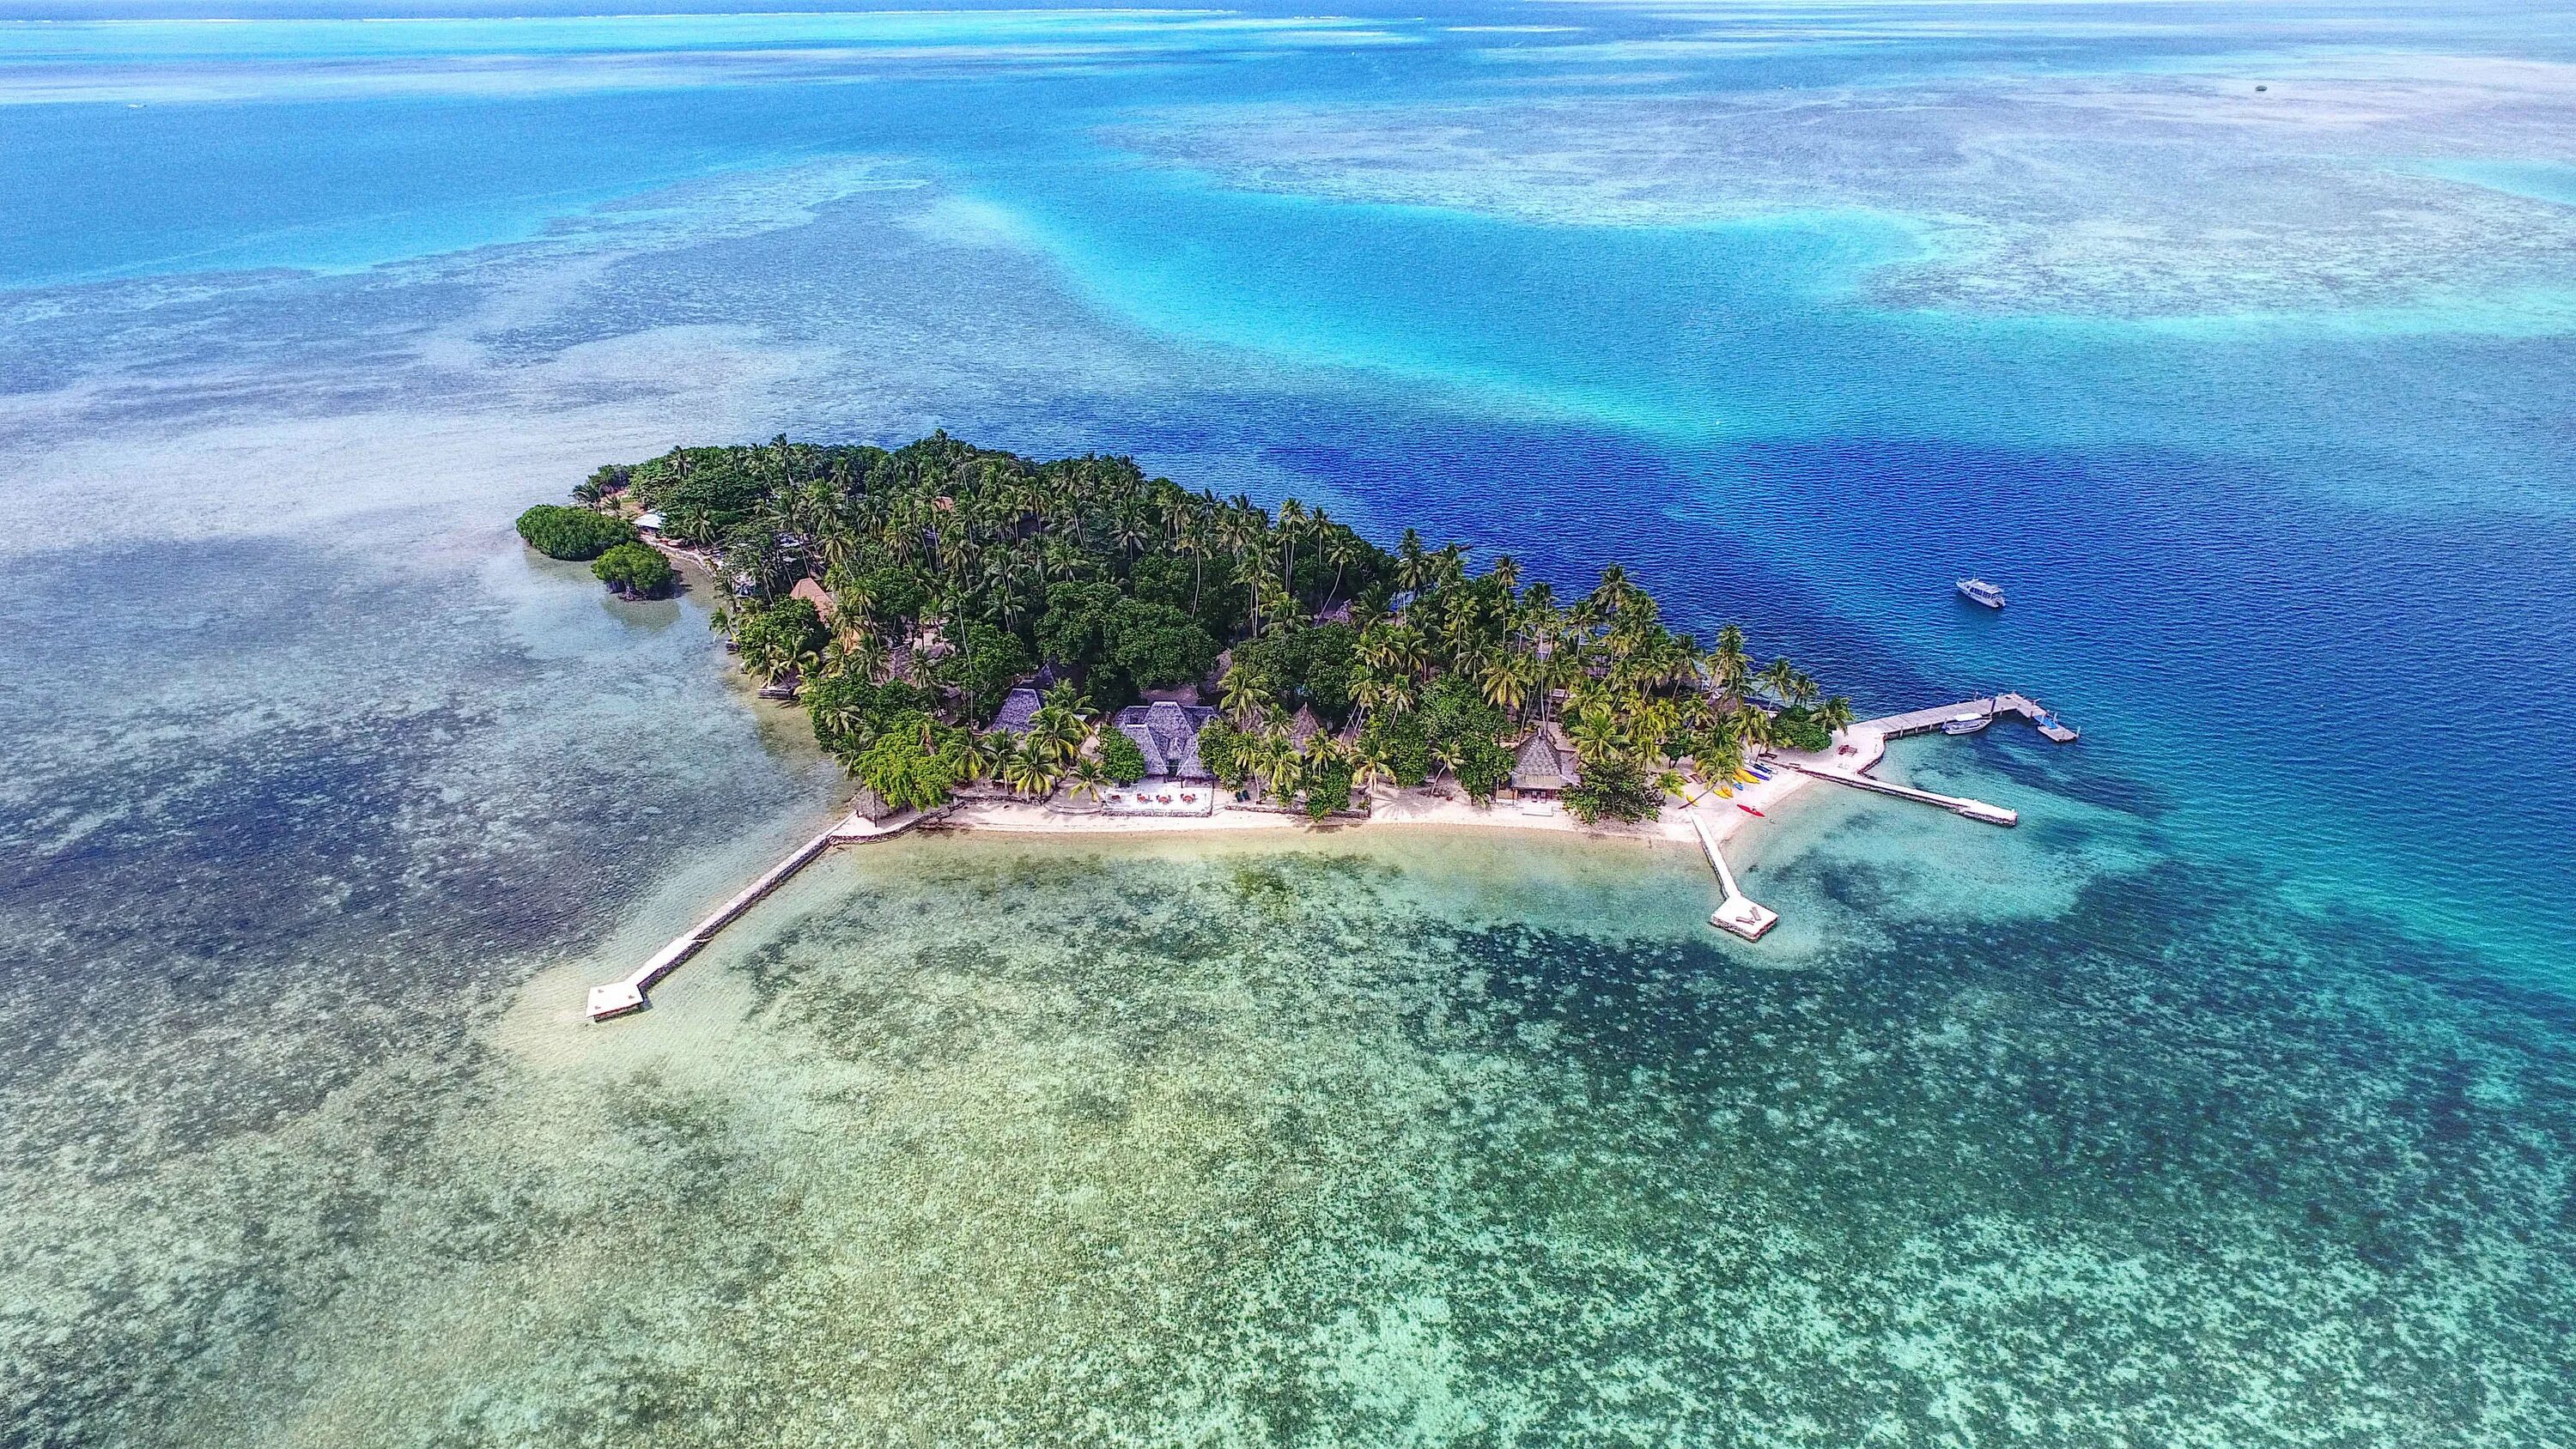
1978,591
1966,724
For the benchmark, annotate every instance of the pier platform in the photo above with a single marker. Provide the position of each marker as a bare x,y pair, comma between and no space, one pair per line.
1920,721
1736,911
627,994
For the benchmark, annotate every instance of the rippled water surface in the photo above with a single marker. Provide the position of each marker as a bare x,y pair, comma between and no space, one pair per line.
2226,1101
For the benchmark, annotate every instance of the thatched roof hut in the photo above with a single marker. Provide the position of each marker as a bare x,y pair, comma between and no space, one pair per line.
1543,765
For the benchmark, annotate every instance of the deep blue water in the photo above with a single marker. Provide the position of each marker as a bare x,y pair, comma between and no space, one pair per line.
2258,403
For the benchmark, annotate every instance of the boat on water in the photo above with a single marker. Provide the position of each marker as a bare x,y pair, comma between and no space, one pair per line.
1966,724
1978,591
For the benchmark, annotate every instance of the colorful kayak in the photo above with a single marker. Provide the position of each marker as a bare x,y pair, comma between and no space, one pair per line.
1749,810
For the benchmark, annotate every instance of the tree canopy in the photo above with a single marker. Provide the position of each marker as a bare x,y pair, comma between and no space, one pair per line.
953,573
573,533
635,570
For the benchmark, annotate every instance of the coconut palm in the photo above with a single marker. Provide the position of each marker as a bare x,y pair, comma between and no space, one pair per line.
861,652
1412,568
1597,736
1085,779
1243,696
1281,763
1030,768
1778,677
1507,680
1370,763
980,756
1730,669
1341,550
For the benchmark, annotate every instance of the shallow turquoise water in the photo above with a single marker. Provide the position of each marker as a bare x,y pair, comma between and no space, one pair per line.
2226,1101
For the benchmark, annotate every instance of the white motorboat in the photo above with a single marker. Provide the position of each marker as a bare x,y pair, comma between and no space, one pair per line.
1978,591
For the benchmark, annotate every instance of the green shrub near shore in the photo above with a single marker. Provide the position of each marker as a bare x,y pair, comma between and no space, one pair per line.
1121,757
573,534
635,570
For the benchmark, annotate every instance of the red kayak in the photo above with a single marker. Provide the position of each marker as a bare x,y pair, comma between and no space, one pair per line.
1749,810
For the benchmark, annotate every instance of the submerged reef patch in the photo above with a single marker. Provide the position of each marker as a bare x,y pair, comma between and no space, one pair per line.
989,1143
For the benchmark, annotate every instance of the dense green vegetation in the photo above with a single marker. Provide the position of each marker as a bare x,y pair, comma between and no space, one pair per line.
635,570
955,572
573,533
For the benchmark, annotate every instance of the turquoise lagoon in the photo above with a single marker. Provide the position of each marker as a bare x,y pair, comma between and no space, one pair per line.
2232,1099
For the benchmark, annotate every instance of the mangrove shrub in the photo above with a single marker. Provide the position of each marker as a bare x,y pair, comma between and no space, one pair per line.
573,533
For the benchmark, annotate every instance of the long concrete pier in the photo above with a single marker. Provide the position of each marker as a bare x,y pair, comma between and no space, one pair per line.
617,998
1955,804
1918,721
1735,911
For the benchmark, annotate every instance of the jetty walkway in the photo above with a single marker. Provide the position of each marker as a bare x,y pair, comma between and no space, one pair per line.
1917,721
1955,804
1735,911
619,997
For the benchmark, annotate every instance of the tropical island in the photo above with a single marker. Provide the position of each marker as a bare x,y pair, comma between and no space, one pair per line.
959,620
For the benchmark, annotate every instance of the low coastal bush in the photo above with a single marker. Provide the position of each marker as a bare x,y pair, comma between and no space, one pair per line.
573,533
1327,785
1221,753
1614,788
1122,758
850,710
635,570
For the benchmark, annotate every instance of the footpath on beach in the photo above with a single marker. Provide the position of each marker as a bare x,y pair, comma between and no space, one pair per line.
1706,819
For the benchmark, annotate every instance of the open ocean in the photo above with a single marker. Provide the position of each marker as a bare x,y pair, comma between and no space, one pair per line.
2230,1100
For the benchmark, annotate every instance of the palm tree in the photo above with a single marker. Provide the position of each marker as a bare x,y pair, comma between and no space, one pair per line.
1029,769
1061,726
1281,763
1411,568
1834,714
1243,696
1780,677
1341,550
1292,526
858,651
980,756
1370,762
1596,736
1729,667
1085,779
1753,730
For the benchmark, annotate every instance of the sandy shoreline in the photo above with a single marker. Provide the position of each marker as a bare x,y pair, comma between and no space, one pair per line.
1398,808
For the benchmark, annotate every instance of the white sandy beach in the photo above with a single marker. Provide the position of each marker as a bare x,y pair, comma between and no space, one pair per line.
1395,808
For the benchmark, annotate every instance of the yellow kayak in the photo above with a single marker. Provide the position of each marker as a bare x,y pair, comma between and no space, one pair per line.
1742,778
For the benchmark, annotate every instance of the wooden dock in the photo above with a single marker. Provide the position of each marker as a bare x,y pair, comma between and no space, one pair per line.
1735,911
1921,721
617,998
